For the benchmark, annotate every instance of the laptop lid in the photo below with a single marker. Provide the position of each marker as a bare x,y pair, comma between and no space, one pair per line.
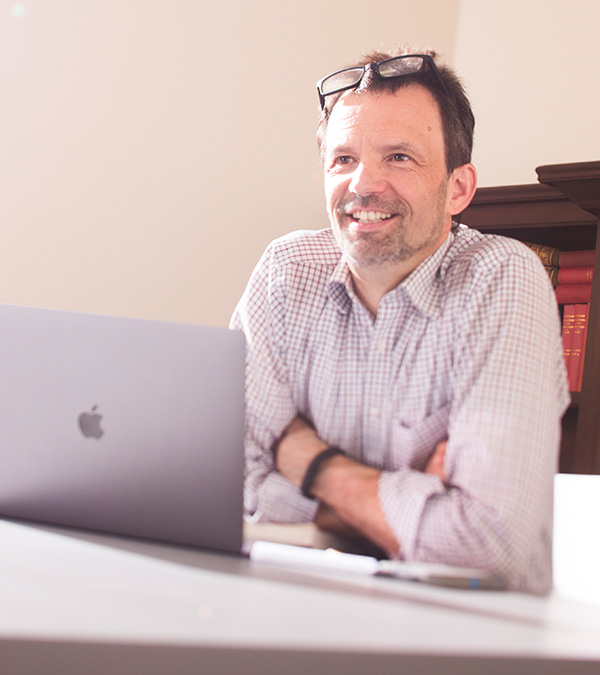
125,426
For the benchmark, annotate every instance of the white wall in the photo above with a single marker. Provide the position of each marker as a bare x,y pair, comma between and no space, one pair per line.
532,69
150,149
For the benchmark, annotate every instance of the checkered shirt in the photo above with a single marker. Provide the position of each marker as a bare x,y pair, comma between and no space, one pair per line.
467,348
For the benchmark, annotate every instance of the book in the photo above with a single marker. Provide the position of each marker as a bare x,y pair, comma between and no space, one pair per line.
575,275
553,274
554,257
306,535
577,258
568,294
549,255
574,336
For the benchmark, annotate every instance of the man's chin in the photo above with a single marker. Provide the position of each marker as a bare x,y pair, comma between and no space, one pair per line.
371,254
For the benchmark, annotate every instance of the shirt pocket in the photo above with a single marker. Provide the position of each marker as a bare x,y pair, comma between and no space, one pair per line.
413,442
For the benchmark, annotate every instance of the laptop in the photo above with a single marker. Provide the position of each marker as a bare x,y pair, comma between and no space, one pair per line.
123,426
136,428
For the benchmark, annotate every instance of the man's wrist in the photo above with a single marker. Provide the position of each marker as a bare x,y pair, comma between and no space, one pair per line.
314,467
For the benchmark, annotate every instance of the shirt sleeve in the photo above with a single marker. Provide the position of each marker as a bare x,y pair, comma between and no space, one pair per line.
508,396
270,406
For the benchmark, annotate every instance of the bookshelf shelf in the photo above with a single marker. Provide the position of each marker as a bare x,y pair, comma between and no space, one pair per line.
563,211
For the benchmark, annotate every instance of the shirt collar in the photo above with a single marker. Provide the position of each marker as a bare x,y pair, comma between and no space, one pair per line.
340,286
423,286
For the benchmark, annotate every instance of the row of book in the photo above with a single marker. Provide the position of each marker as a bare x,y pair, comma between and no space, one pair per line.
571,273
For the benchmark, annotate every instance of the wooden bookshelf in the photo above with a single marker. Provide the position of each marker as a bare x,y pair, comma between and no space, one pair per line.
561,210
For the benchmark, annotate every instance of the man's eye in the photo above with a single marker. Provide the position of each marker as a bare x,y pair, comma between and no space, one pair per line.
343,159
400,157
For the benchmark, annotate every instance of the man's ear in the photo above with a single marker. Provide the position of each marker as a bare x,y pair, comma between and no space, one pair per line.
461,188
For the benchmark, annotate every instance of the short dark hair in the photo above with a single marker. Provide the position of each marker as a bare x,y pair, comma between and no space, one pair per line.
458,121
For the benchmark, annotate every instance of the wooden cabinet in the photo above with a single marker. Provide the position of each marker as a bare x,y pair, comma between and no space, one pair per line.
562,210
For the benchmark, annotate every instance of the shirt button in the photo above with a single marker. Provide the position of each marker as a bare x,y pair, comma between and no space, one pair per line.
380,346
374,413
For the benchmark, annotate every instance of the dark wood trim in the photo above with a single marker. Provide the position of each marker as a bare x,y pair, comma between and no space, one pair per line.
579,182
524,206
579,171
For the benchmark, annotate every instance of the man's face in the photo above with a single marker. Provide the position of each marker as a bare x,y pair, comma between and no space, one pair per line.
386,181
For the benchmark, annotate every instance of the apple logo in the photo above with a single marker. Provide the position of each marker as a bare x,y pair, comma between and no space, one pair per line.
89,423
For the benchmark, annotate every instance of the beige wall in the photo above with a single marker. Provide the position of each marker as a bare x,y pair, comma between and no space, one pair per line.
532,68
149,149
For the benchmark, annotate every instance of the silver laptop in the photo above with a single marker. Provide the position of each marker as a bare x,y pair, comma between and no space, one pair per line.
124,426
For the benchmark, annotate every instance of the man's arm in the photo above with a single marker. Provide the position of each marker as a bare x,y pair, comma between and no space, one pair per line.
346,490
270,407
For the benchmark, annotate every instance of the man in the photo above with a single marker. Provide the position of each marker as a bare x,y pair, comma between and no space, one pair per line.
405,378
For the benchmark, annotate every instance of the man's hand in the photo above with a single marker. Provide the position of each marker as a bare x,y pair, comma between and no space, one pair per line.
435,464
296,450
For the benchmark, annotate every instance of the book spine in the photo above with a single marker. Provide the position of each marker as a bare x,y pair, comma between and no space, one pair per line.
568,294
580,324
567,342
575,275
576,258
549,255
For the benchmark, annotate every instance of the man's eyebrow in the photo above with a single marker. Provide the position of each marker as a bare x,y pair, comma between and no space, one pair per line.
402,147
343,149
387,149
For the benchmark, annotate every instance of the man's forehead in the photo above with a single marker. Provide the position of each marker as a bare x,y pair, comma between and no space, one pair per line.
410,111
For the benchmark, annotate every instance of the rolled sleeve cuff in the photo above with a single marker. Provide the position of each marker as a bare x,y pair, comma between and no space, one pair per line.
279,501
403,496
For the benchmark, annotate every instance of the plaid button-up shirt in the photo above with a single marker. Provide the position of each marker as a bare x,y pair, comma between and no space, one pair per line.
467,348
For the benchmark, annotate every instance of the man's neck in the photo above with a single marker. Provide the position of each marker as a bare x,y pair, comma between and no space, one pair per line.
372,282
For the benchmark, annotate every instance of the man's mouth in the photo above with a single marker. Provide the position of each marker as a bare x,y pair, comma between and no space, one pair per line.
370,216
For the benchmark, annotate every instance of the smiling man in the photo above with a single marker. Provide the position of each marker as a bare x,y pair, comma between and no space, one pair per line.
405,380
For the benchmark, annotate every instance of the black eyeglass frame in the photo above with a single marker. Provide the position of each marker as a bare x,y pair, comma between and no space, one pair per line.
376,68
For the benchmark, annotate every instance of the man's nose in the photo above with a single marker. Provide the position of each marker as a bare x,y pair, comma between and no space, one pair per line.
367,179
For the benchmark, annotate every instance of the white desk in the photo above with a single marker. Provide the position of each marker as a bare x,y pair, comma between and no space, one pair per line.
78,603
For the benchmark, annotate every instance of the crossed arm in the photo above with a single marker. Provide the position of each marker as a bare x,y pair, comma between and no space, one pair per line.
346,489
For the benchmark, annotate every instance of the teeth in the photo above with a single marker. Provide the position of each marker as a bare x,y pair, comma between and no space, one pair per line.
370,216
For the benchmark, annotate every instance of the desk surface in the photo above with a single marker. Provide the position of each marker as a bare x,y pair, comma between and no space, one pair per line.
77,602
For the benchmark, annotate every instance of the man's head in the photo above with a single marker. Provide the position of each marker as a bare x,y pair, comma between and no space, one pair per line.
440,80
390,186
